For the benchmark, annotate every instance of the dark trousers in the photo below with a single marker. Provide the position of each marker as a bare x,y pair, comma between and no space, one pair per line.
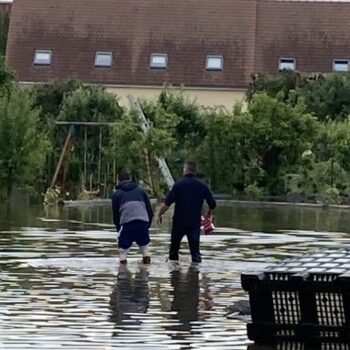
193,238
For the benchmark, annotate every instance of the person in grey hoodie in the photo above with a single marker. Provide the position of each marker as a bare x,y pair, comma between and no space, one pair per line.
132,216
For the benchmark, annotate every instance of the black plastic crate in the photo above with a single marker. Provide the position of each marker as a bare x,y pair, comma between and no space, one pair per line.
304,300
300,346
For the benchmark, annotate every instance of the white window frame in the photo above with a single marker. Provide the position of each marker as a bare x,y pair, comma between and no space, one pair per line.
42,63
337,61
103,53
216,57
157,65
288,61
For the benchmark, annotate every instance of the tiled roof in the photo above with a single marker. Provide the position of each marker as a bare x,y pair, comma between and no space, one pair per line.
312,33
5,7
250,34
132,29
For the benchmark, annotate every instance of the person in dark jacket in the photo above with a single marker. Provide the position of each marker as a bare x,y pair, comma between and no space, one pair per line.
132,216
188,194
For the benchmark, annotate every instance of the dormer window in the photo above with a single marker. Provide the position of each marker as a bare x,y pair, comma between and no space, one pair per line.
159,60
42,57
341,65
286,64
103,59
215,62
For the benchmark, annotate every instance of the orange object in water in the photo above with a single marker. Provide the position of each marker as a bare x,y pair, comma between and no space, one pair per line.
207,225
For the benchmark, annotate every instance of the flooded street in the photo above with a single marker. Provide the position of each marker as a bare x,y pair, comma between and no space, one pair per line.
62,287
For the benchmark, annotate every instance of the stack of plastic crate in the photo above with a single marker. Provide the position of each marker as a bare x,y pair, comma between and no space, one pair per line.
302,300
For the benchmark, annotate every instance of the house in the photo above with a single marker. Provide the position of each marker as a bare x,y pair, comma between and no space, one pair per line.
209,48
5,6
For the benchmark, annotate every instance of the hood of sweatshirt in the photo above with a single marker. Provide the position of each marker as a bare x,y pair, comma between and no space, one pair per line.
126,186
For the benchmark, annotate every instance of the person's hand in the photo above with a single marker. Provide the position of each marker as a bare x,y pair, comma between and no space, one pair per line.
209,215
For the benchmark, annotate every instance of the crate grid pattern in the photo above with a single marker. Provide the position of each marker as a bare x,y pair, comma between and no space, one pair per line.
329,309
304,299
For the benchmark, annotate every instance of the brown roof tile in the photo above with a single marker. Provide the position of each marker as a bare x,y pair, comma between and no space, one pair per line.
314,33
250,34
5,7
132,29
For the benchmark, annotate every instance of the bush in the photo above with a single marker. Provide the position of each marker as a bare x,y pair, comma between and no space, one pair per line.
253,192
332,196
23,146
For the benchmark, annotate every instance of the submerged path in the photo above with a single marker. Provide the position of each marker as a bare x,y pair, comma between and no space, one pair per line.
62,288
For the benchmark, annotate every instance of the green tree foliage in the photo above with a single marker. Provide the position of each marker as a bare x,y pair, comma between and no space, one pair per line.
333,142
49,97
126,141
4,28
133,148
285,81
189,130
224,153
327,96
90,104
7,77
281,133
23,146
264,148
258,146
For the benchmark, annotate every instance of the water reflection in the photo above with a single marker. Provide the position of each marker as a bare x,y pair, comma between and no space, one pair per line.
185,296
130,296
60,287
300,346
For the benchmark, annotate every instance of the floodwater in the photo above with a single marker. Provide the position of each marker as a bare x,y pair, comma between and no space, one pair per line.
62,287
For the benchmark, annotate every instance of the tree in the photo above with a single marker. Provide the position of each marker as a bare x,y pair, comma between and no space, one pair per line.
189,130
333,142
327,96
7,77
4,28
224,152
87,104
23,146
49,96
90,104
285,81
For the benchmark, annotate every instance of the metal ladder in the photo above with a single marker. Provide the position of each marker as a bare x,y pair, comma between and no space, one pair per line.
162,165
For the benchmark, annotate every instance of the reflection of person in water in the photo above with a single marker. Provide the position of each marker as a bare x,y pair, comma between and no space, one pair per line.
130,295
186,296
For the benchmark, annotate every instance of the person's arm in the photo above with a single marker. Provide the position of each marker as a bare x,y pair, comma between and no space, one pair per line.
166,204
210,201
162,210
148,208
115,209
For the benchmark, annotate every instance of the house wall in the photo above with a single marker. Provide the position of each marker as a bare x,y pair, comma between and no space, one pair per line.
206,97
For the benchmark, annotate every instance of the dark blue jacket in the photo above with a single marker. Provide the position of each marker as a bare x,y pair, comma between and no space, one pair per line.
130,203
188,194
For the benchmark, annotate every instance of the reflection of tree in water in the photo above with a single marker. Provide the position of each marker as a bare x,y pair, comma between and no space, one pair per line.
130,295
189,297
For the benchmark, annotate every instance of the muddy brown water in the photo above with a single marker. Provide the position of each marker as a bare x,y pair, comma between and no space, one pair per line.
62,288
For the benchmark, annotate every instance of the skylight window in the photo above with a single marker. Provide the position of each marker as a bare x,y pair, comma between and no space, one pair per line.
42,57
341,65
286,63
159,60
103,59
215,62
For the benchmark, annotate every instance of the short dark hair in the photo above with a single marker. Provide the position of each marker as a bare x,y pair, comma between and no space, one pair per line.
124,174
191,166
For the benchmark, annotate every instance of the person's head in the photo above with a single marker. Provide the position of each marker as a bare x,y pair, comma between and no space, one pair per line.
124,175
190,167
